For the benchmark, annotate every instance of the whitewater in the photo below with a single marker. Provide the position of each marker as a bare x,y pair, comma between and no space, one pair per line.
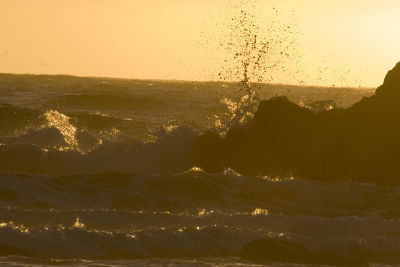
98,171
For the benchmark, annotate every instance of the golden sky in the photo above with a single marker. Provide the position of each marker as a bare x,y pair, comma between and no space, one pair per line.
341,43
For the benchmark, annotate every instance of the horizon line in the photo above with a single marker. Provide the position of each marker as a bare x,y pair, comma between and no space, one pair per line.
186,81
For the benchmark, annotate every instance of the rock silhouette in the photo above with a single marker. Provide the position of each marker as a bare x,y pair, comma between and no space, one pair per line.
359,143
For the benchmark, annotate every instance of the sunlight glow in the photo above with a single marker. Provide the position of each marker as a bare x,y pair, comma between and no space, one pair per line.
338,43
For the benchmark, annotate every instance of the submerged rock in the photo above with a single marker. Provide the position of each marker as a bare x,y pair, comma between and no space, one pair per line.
8,251
276,250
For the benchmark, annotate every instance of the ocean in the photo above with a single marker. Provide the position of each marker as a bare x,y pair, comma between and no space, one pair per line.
100,172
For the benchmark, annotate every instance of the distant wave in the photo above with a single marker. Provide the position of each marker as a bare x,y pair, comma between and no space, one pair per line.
111,102
14,118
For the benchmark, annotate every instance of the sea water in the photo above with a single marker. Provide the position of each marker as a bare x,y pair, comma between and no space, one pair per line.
98,172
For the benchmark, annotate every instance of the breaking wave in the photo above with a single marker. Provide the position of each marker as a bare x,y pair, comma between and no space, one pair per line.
129,234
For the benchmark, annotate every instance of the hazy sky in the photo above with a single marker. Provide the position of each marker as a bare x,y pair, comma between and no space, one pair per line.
346,43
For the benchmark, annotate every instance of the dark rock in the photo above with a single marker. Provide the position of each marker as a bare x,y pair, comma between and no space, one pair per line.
275,250
360,143
391,84
8,251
